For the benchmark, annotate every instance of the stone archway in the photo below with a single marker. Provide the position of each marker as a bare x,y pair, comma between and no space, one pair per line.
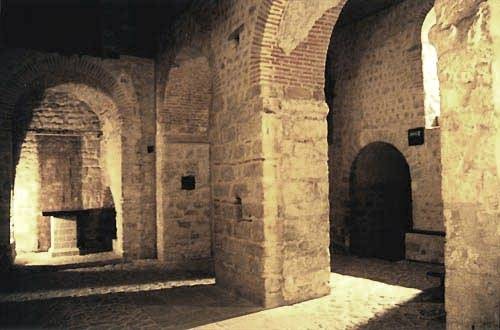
291,39
380,191
67,155
38,72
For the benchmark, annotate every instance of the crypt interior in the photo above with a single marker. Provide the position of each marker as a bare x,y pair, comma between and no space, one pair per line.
247,164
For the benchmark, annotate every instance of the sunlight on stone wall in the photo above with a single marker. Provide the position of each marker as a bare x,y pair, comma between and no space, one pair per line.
430,71
24,206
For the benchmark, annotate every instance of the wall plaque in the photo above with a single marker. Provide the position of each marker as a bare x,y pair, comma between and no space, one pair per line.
416,136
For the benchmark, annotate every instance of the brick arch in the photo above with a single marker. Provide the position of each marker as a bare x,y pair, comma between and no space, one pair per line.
270,64
189,92
287,64
422,14
171,60
55,70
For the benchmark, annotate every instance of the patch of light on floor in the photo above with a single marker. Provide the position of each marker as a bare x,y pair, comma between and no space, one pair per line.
45,259
352,302
85,292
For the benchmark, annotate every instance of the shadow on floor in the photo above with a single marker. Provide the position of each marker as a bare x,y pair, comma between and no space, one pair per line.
363,268
426,310
41,278
176,308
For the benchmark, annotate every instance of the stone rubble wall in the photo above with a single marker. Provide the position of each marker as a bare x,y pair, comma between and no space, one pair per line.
187,230
268,148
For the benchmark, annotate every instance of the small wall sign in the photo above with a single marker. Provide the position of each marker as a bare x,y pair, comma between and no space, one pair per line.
416,136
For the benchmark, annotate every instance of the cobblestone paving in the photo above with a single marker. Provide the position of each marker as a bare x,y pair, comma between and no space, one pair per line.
366,294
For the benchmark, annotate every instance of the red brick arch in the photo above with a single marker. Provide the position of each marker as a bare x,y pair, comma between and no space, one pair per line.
53,70
304,67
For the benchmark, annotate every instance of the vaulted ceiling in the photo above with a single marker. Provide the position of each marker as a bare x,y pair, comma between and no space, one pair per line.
355,10
94,27
108,28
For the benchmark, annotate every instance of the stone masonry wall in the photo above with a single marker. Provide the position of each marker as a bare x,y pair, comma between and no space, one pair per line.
468,43
223,33
187,232
184,216
376,93
137,75
467,48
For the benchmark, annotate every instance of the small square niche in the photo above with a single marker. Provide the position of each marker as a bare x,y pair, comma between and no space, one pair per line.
188,182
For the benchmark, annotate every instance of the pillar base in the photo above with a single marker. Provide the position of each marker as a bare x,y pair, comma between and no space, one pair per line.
64,252
63,236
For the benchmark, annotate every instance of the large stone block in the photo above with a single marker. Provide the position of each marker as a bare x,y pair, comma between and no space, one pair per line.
425,248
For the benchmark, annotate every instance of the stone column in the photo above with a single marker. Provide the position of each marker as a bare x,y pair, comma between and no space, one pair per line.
63,236
468,43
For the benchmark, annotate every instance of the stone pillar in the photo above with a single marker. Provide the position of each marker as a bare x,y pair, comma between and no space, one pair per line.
468,43
63,236
296,202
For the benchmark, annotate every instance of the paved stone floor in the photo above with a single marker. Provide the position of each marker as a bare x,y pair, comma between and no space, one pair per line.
366,294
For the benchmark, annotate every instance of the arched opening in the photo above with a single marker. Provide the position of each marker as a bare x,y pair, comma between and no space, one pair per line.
184,200
67,172
372,82
380,203
385,202
373,88
430,73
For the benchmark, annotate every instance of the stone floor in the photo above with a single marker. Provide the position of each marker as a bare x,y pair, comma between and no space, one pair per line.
366,294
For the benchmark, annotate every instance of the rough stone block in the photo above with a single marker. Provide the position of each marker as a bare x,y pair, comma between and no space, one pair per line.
425,248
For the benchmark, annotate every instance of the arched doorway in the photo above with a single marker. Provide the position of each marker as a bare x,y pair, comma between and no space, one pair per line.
91,84
65,140
380,202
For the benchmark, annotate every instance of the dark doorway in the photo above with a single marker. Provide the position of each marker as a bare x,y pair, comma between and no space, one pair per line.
380,194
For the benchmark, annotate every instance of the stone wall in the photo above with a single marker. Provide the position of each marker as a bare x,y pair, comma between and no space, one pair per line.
268,148
375,93
184,215
268,128
187,234
223,33
468,44
137,76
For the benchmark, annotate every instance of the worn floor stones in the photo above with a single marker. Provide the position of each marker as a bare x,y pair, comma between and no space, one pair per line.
366,294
